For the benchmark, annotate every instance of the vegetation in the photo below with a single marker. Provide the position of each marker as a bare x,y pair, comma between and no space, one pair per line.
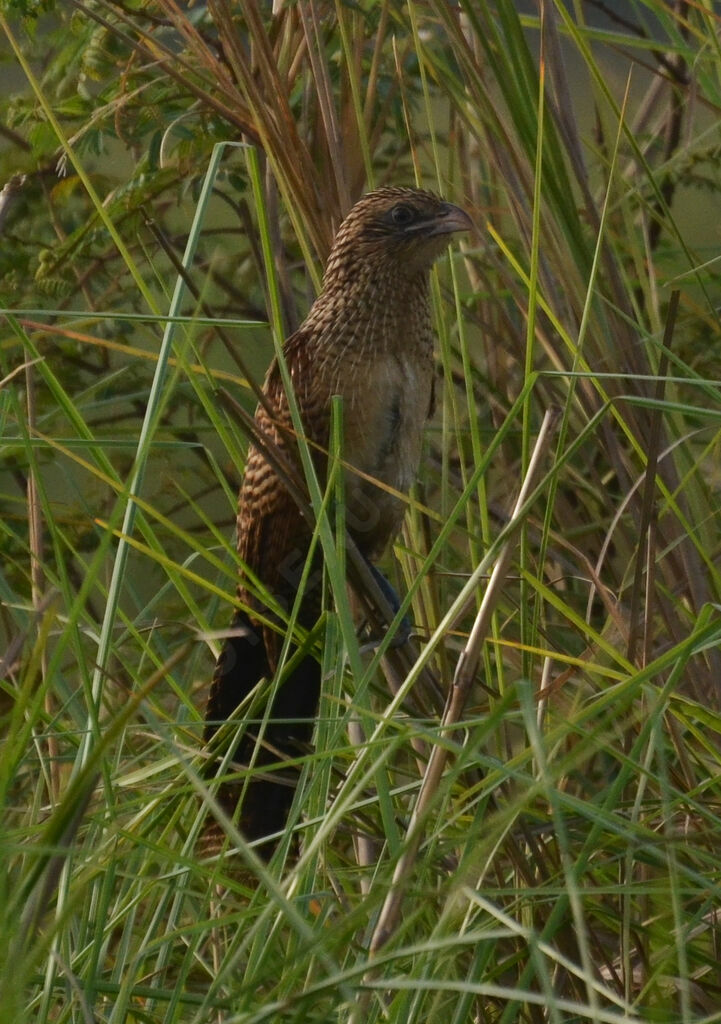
173,177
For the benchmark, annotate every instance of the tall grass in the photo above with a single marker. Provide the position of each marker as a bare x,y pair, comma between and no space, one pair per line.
564,865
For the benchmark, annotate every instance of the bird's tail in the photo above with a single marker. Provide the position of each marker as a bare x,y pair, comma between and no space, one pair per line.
266,794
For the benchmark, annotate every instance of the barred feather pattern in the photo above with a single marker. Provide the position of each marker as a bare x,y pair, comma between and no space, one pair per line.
367,338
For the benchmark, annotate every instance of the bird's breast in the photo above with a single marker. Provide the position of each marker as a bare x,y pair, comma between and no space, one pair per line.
386,404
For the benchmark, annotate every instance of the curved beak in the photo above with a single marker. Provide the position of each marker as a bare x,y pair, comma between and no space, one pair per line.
449,218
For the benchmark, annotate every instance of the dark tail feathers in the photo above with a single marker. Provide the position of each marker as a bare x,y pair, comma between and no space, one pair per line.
243,662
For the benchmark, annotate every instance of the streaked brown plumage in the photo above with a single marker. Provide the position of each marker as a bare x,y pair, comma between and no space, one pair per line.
368,338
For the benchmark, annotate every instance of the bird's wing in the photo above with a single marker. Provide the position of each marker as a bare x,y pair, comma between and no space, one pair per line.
273,536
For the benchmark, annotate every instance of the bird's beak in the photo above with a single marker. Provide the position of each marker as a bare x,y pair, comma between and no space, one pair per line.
449,218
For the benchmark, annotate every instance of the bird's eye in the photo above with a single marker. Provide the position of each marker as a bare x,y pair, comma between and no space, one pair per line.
402,214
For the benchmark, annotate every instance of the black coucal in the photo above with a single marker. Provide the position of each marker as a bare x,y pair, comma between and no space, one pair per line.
368,338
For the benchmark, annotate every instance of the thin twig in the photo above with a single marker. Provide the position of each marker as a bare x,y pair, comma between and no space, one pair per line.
37,586
10,191
647,502
230,347
366,847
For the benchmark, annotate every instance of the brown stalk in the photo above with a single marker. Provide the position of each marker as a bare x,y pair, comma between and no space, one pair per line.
272,117
324,93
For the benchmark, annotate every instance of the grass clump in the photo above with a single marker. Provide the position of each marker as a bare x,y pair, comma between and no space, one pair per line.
563,865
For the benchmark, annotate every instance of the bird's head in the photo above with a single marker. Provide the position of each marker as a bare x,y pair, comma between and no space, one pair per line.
398,230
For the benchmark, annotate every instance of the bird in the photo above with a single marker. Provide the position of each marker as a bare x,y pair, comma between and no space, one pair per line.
367,338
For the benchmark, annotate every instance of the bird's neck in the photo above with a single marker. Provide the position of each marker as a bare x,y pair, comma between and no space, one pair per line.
373,312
